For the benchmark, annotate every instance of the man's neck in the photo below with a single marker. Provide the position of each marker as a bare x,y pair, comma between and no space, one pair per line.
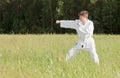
85,21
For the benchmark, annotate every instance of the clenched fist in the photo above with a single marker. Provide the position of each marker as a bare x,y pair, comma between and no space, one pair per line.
57,21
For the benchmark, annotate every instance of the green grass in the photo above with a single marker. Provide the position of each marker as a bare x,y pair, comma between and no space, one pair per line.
43,56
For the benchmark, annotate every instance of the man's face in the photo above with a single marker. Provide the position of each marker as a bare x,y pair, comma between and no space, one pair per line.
81,17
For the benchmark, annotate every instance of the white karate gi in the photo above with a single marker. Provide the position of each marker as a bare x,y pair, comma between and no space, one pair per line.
85,42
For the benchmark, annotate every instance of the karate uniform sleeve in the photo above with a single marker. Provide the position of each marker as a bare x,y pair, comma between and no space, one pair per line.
68,24
88,30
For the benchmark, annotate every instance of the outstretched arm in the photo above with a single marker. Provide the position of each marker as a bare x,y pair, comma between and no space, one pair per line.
67,24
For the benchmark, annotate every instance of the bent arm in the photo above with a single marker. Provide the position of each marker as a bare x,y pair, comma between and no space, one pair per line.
88,30
68,24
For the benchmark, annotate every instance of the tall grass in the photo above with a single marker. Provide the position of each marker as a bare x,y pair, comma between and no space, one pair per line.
43,56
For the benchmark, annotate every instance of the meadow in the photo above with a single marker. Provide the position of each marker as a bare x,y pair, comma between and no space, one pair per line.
43,56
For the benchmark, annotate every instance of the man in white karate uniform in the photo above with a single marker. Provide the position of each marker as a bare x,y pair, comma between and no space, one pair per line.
84,28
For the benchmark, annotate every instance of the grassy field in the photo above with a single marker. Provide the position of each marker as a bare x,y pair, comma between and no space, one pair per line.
43,56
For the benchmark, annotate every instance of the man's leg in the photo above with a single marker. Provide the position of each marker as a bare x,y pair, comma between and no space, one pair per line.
94,55
72,52
92,50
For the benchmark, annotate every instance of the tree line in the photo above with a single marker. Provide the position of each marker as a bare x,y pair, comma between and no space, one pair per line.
39,16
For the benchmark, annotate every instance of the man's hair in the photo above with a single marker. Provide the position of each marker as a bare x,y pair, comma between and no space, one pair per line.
83,13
